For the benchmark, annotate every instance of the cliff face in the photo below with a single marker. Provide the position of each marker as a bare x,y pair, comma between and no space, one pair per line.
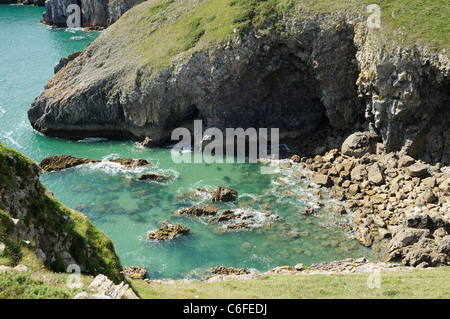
321,71
406,92
59,236
94,13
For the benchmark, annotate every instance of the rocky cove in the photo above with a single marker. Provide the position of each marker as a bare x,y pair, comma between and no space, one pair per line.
366,128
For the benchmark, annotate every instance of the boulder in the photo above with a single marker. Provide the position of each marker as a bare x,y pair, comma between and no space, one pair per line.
224,194
359,173
135,272
295,158
222,270
147,142
167,231
321,179
360,143
153,177
364,236
375,174
129,162
417,170
405,161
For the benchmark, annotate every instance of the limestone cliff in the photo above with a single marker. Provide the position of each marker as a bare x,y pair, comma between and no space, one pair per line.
94,13
32,219
164,63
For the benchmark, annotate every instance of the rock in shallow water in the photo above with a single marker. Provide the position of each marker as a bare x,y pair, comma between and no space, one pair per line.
167,231
56,163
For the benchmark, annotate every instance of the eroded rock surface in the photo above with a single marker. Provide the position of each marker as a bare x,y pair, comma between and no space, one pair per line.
56,163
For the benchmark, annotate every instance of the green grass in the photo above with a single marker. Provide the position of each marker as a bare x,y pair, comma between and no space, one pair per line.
433,283
408,284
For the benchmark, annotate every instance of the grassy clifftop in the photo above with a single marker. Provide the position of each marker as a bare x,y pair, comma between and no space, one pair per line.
158,30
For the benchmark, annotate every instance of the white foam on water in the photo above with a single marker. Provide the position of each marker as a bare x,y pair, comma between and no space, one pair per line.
76,38
9,138
74,30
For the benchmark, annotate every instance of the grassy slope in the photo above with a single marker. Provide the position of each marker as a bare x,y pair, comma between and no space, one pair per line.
409,284
414,284
45,210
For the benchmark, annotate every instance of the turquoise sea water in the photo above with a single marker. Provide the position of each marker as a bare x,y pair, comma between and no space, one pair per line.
127,209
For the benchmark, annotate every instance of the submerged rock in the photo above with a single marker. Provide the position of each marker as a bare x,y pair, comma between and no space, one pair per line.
201,210
56,163
129,162
153,177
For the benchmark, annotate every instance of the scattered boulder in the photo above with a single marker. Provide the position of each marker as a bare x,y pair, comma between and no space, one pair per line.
308,210
224,194
153,177
129,162
405,161
200,210
295,158
147,142
359,173
360,143
226,215
417,170
135,272
167,231
57,163
222,270
321,179
375,174
364,236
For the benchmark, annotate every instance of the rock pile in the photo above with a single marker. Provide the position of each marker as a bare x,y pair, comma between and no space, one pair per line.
421,241
380,189
104,288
